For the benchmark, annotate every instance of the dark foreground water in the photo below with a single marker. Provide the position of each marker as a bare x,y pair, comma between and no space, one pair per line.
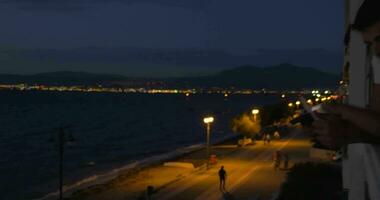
109,131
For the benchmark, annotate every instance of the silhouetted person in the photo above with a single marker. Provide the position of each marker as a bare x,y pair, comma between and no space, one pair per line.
286,161
264,139
149,192
222,178
268,138
277,160
276,135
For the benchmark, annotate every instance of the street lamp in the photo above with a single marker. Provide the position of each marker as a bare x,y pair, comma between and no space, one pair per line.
298,104
290,105
208,121
255,112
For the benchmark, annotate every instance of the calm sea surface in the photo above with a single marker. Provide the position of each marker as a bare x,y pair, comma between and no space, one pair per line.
108,131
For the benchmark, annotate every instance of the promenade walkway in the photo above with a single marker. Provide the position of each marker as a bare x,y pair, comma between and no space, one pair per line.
250,175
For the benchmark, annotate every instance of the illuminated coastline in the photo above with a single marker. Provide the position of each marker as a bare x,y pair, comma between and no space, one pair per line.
100,89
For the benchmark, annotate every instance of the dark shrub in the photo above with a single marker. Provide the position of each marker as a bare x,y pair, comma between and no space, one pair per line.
312,181
274,113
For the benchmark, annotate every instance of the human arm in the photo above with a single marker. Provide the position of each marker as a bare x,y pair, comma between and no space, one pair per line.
366,120
334,132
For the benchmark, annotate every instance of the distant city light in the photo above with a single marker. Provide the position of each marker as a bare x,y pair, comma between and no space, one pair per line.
149,90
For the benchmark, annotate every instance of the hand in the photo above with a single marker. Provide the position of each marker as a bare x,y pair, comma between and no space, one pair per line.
330,131
335,109
342,110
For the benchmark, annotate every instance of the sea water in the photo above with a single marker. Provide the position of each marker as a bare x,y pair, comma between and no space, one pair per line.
104,131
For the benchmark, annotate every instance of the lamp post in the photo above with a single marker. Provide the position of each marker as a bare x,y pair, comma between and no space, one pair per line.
255,112
298,104
208,121
63,138
61,135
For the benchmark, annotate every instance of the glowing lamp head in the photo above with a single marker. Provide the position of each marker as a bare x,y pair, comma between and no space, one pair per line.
290,104
283,96
255,111
298,103
309,101
208,120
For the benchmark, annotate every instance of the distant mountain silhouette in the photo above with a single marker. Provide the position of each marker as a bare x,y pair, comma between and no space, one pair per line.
134,61
283,76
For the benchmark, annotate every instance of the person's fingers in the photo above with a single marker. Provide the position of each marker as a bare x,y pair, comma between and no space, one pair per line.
330,108
320,128
325,141
317,124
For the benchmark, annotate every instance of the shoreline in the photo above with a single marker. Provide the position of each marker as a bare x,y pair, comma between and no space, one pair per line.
128,169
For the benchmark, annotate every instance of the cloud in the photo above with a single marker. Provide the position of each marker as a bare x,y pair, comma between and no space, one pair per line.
77,5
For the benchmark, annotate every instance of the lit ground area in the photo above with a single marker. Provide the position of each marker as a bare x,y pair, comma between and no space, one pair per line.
250,175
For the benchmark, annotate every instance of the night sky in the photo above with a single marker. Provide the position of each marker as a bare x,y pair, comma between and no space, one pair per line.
50,35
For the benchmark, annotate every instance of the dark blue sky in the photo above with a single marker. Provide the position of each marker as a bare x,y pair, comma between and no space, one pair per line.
238,27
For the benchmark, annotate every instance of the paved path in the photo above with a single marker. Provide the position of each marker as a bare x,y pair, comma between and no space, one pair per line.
250,173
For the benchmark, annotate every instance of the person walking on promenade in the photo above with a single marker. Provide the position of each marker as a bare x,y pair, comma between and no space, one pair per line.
276,135
222,178
264,138
268,138
277,160
286,161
